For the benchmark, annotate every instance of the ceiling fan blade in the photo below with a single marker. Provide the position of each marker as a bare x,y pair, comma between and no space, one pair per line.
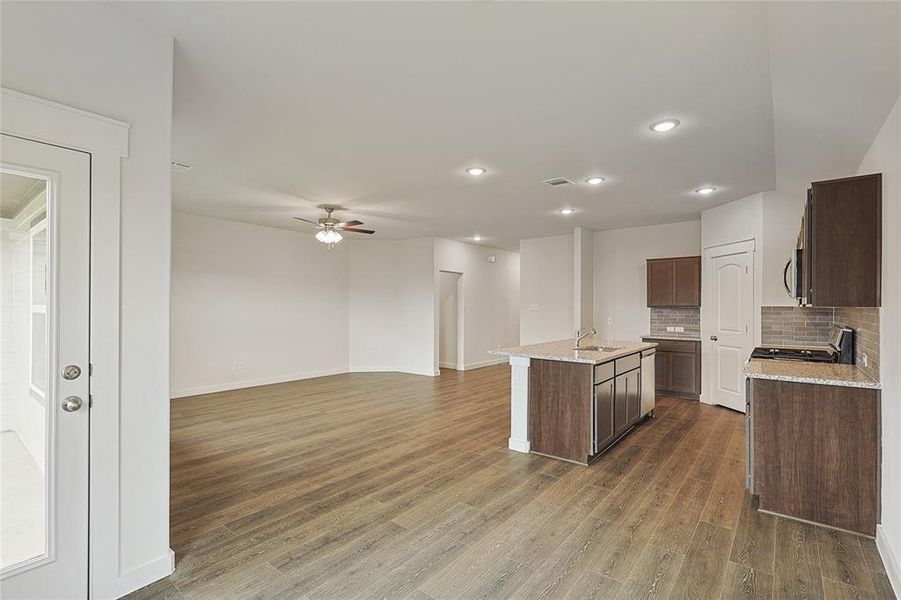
308,221
353,223
356,230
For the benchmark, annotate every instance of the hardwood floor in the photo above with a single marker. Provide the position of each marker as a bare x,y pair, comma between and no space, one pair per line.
390,485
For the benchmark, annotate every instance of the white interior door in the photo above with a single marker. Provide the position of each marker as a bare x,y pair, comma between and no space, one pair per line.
732,336
44,271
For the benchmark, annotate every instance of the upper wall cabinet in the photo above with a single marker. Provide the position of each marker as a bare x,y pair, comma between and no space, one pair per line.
841,238
674,281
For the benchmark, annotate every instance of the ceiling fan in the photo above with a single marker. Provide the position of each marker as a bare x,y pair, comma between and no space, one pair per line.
330,228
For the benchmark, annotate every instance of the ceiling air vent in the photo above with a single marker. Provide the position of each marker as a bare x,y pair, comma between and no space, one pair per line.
557,181
180,167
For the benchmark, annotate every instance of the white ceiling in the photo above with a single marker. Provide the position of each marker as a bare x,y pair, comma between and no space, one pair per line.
378,107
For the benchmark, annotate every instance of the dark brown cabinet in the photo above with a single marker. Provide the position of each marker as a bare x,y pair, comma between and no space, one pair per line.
604,408
620,419
627,401
560,409
677,367
633,396
661,291
841,242
674,281
815,452
577,410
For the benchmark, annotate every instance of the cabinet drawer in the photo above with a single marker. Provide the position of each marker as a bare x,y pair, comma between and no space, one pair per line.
603,372
627,363
673,345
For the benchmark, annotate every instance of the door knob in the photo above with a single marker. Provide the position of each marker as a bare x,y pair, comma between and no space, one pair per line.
713,338
72,403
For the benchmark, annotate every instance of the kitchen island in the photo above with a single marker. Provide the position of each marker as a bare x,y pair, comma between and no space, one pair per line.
574,404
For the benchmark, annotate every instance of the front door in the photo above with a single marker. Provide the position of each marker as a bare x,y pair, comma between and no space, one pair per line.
44,393
732,336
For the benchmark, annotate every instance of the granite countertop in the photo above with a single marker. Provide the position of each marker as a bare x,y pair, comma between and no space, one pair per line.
562,350
679,337
810,372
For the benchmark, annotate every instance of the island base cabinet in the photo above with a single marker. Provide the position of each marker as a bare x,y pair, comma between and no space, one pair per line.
626,401
815,452
560,409
603,407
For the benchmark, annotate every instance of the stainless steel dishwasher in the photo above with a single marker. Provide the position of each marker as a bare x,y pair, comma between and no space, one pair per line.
648,382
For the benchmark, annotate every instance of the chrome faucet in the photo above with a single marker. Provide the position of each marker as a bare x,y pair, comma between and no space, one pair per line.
581,335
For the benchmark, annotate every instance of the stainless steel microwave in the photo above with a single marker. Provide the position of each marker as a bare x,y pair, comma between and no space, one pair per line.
792,276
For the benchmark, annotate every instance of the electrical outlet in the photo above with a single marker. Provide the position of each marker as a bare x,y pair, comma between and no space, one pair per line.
238,365
864,359
679,329
671,329
609,320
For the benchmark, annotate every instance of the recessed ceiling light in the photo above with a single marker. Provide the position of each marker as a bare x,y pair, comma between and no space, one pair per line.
707,189
595,180
664,125
477,238
476,171
566,211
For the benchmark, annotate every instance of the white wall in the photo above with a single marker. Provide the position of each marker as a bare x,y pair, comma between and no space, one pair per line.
583,278
884,156
273,301
620,273
546,289
781,223
490,297
392,309
99,58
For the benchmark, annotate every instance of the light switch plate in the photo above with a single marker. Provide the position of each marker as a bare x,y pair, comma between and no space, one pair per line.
670,328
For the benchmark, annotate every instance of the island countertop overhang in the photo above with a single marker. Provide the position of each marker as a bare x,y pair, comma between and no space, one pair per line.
562,350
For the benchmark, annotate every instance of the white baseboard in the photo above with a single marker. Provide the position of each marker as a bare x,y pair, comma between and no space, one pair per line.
519,445
889,559
447,365
138,578
247,383
706,399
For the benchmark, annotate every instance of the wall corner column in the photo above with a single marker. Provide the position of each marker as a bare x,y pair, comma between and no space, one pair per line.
519,404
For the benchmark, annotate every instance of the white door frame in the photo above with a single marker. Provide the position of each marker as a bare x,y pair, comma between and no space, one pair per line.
707,325
106,140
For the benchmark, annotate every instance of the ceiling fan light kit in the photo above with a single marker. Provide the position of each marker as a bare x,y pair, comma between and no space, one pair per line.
330,228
